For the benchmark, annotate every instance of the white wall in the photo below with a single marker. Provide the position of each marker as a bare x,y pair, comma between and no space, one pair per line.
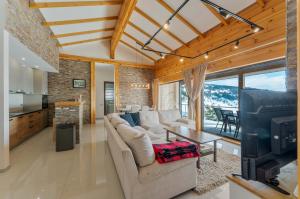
103,73
4,90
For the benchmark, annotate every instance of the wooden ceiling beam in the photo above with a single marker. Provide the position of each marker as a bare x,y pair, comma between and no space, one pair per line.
158,25
125,13
76,21
81,33
138,51
148,35
33,4
84,41
261,3
183,20
105,61
139,42
216,14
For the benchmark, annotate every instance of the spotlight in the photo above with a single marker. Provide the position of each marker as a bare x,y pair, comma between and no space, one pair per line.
181,60
255,28
224,13
162,55
236,45
206,55
166,25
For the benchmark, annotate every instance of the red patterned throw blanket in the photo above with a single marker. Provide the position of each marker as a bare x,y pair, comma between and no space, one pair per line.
174,151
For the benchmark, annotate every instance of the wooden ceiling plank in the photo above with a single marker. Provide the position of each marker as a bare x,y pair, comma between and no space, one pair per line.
139,42
81,33
106,61
125,13
148,35
261,3
84,41
133,48
72,4
182,19
158,25
76,21
217,14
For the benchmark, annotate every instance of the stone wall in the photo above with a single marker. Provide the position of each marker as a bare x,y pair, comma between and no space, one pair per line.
291,54
26,25
60,86
129,95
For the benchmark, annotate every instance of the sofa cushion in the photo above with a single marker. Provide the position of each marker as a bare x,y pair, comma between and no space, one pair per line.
149,117
136,118
150,134
127,132
142,150
116,120
111,115
169,116
156,170
128,118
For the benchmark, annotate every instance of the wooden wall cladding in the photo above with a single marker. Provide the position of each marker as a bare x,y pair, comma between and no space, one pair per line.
266,45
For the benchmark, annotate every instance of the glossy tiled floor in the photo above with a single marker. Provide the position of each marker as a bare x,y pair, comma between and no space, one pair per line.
87,172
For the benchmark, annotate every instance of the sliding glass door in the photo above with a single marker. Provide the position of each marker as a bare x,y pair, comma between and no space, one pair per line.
219,94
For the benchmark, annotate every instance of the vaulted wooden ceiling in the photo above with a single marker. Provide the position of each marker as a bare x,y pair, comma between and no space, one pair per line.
128,22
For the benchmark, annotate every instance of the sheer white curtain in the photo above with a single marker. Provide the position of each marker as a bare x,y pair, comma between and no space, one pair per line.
194,79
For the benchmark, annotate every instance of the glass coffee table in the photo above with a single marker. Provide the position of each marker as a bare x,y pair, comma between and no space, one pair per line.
197,137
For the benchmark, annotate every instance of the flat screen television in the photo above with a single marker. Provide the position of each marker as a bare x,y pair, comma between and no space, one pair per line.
268,128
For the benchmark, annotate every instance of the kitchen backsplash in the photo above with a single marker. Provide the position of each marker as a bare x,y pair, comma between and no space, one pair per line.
20,102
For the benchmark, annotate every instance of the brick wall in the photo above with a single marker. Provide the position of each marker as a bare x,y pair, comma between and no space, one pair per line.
60,86
291,58
26,25
129,95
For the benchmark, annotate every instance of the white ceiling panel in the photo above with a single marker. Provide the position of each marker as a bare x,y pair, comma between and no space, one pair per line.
82,27
196,14
84,37
161,15
233,6
71,13
134,44
141,37
148,27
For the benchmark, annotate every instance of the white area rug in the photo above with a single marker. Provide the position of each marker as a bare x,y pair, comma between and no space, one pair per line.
213,174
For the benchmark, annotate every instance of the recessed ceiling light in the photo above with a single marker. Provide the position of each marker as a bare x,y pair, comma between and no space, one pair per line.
181,60
23,58
36,66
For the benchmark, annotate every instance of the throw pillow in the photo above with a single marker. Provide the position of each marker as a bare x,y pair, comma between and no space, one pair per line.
142,150
127,132
128,118
116,120
136,118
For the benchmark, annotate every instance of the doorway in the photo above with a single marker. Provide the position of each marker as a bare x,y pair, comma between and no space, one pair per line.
109,97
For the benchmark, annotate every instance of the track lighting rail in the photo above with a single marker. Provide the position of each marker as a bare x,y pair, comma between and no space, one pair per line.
224,12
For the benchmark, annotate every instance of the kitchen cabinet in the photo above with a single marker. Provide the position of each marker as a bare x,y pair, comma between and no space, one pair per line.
28,80
24,126
40,82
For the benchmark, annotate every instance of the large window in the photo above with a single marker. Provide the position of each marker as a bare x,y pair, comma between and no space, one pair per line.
183,100
270,80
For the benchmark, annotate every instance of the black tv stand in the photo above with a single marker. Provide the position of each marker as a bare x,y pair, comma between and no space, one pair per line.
274,184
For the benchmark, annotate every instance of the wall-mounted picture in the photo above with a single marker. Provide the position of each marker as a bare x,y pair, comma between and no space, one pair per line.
79,83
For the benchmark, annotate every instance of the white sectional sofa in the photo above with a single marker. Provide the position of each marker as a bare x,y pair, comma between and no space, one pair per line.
173,118
151,181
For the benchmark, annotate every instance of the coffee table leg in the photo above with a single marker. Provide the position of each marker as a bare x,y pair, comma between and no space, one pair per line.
168,135
215,150
198,161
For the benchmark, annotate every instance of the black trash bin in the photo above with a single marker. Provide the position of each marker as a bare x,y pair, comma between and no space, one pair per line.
65,137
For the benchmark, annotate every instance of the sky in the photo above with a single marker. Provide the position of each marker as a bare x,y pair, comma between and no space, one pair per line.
270,81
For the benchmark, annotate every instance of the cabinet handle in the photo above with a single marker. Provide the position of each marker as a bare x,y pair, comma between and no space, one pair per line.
10,119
